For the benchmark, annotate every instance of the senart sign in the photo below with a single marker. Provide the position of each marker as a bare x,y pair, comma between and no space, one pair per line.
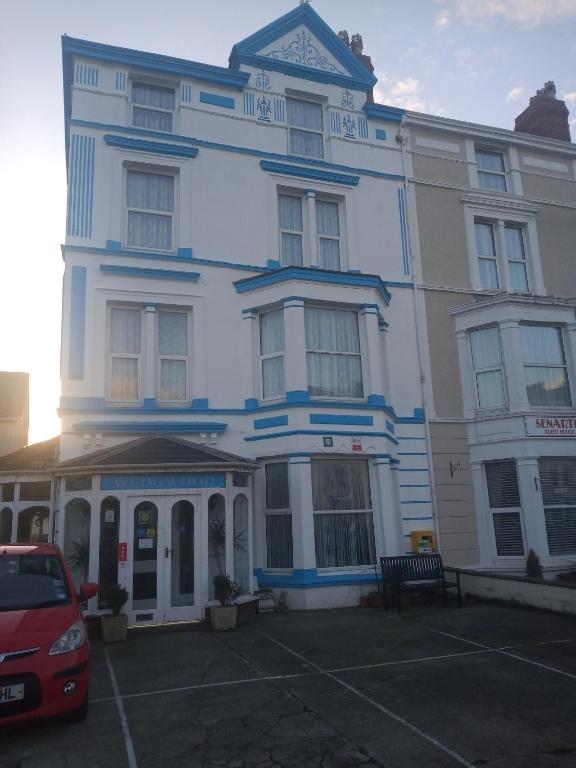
551,426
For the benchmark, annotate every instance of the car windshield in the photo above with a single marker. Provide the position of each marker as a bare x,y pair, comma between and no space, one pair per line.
31,581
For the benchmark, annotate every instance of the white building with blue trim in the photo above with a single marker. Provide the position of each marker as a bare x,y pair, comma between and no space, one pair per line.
240,345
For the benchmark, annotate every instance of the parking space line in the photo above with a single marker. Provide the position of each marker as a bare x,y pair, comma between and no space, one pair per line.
504,652
132,763
392,715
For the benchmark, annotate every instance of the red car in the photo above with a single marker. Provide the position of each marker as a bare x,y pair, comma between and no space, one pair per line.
44,652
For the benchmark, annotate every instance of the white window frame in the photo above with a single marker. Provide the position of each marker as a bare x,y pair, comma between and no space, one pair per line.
155,170
512,510
276,512
361,354
488,369
368,511
501,217
480,148
125,355
566,367
186,358
270,355
310,235
311,99
152,84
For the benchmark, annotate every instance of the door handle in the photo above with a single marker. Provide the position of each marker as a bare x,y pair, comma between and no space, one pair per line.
167,552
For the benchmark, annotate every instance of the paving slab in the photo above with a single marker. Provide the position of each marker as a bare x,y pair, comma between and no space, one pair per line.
431,688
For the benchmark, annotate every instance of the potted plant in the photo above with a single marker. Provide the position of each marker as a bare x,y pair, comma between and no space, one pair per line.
223,616
114,625
533,567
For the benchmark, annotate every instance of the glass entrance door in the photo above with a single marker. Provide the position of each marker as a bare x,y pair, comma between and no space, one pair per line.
164,560
180,560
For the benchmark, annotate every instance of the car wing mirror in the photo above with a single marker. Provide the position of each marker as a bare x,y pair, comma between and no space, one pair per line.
88,591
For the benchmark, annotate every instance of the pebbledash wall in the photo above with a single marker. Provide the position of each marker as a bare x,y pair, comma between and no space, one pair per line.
238,273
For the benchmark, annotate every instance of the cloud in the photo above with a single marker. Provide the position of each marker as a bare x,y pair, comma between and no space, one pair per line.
570,96
406,93
526,13
515,94
442,21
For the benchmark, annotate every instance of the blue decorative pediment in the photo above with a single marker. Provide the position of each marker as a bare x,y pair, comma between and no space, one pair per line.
301,44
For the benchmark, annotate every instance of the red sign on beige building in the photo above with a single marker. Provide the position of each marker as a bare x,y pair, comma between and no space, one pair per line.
551,426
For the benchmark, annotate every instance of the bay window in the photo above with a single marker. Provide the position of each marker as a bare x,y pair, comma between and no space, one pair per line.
487,365
305,128
125,353
153,106
558,486
278,516
343,521
545,366
505,507
333,355
272,353
149,210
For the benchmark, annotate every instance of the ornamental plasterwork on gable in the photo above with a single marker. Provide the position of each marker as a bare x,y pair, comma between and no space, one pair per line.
263,81
347,100
302,51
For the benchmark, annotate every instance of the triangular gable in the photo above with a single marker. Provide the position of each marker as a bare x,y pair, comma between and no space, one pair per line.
301,44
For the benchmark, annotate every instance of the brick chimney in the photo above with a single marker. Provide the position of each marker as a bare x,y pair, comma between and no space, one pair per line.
356,46
545,115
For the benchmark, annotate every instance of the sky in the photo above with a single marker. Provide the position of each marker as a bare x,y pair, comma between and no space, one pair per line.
473,60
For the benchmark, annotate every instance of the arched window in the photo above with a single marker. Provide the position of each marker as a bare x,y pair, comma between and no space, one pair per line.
241,559
6,526
216,539
77,539
182,548
33,525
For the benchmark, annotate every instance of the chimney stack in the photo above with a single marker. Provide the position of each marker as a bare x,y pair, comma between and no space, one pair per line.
356,46
545,115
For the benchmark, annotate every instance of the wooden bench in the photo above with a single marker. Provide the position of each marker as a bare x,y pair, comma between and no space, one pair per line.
415,572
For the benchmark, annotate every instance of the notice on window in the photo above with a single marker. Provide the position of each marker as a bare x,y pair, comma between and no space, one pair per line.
551,426
145,543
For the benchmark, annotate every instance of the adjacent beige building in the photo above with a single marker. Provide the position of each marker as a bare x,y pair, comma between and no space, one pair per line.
13,411
493,232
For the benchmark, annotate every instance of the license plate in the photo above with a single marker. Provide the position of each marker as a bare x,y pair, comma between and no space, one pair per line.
9,693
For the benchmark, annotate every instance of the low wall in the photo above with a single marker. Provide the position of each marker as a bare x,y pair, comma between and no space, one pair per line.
550,595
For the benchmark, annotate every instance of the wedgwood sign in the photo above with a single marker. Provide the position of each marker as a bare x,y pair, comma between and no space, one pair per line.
551,426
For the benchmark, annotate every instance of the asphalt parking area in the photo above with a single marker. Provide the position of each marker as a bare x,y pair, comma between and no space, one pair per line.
441,687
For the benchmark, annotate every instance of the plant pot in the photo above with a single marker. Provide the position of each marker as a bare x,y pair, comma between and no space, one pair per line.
376,600
114,628
223,617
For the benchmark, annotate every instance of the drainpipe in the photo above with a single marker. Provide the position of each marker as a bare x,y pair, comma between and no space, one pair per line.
402,140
